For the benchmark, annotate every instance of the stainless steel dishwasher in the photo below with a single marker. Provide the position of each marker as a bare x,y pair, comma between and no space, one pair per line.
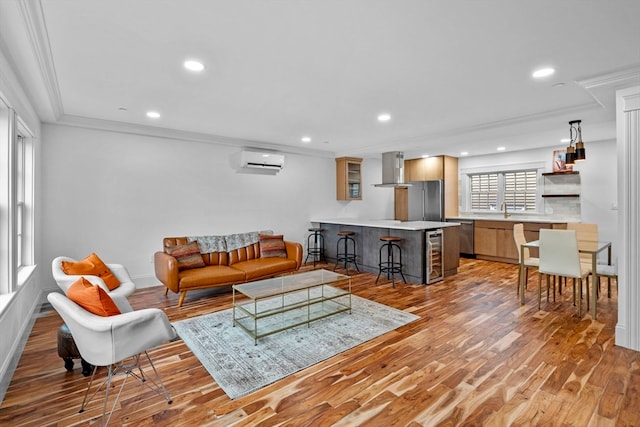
466,236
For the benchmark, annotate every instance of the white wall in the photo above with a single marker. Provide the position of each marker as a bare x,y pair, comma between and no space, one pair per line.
598,179
119,194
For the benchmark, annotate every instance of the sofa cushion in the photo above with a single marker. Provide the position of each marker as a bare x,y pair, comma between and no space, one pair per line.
272,246
265,267
187,255
91,266
211,275
92,298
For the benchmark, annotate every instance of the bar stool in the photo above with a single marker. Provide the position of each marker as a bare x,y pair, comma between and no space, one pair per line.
315,245
391,266
345,256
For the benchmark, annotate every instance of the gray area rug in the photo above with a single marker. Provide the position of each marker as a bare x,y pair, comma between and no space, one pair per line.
240,367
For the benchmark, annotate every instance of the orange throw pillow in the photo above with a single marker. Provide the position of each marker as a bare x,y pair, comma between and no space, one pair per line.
92,298
92,266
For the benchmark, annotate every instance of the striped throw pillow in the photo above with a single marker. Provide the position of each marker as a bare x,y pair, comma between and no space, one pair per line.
187,255
272,246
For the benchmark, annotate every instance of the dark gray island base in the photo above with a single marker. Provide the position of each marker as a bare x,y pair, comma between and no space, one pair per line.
414,245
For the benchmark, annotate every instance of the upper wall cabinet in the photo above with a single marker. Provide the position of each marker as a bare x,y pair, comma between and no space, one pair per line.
348,178
435,168
431,169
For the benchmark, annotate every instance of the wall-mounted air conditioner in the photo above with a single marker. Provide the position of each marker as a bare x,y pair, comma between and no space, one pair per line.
261,160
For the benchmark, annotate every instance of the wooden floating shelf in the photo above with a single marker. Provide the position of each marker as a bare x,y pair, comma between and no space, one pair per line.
561,173
560,195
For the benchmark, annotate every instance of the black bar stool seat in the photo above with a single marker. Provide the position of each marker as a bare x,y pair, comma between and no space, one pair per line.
315,245
348,253
392,265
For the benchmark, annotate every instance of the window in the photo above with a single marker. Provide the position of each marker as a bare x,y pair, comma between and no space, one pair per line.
24,199
518,189
521,190
484,191
16,201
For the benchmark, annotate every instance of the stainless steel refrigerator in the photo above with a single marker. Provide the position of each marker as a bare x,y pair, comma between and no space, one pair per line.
426,201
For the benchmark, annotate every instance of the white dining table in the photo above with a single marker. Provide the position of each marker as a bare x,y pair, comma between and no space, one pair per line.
593,251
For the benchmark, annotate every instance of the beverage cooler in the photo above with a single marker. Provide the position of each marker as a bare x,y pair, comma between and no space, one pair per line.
434,271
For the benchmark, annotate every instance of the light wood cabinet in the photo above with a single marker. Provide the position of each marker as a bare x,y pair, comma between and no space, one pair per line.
348,178
431,169
451,250
493,240
435,168
401,203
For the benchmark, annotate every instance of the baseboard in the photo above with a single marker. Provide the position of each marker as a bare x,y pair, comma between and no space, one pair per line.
17,346
146,281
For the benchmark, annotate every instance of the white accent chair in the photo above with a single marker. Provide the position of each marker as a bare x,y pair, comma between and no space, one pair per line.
126,288
559,256
117,342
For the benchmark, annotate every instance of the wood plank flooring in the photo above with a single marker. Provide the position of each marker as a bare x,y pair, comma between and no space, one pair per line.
475,358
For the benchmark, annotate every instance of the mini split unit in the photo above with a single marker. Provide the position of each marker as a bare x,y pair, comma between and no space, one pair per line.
261,160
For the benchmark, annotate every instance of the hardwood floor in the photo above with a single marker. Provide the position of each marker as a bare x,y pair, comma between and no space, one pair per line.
476,358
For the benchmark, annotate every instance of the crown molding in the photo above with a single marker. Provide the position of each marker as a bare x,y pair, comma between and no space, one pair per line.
33,17
175,134
601,87
449,132
629,76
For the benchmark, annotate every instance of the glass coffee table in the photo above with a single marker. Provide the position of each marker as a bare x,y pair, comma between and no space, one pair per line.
265,307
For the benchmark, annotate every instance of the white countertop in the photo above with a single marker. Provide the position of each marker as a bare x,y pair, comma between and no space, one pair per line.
513,218
387,223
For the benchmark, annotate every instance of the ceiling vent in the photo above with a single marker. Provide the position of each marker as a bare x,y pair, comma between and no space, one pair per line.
261,160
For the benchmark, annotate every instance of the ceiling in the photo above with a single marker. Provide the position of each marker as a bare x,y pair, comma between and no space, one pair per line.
454,75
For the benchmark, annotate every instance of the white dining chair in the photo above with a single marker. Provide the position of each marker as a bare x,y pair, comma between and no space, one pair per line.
559,256
610,272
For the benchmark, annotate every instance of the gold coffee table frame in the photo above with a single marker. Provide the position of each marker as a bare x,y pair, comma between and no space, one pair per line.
282,303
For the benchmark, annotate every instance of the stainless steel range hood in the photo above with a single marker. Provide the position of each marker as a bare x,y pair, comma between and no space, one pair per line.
392,170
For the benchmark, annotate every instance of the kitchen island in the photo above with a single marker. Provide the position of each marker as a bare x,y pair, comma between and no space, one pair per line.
414,245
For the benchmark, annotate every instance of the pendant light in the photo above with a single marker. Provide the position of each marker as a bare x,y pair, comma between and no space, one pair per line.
581,154
577,153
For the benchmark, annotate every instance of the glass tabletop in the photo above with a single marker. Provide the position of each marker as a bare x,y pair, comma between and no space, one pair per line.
289,283
590,249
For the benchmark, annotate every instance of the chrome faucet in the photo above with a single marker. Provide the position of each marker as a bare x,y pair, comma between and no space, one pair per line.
503,208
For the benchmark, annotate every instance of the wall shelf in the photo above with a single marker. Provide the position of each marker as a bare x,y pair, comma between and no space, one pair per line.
561,173
560,195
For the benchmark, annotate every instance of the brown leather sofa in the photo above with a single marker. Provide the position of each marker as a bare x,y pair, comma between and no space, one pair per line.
223,267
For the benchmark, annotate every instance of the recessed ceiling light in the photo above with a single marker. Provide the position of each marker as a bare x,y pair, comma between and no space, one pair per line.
501,148
565,140
464,153
305,139
384,117
543,72
424,156
153,114
192,65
